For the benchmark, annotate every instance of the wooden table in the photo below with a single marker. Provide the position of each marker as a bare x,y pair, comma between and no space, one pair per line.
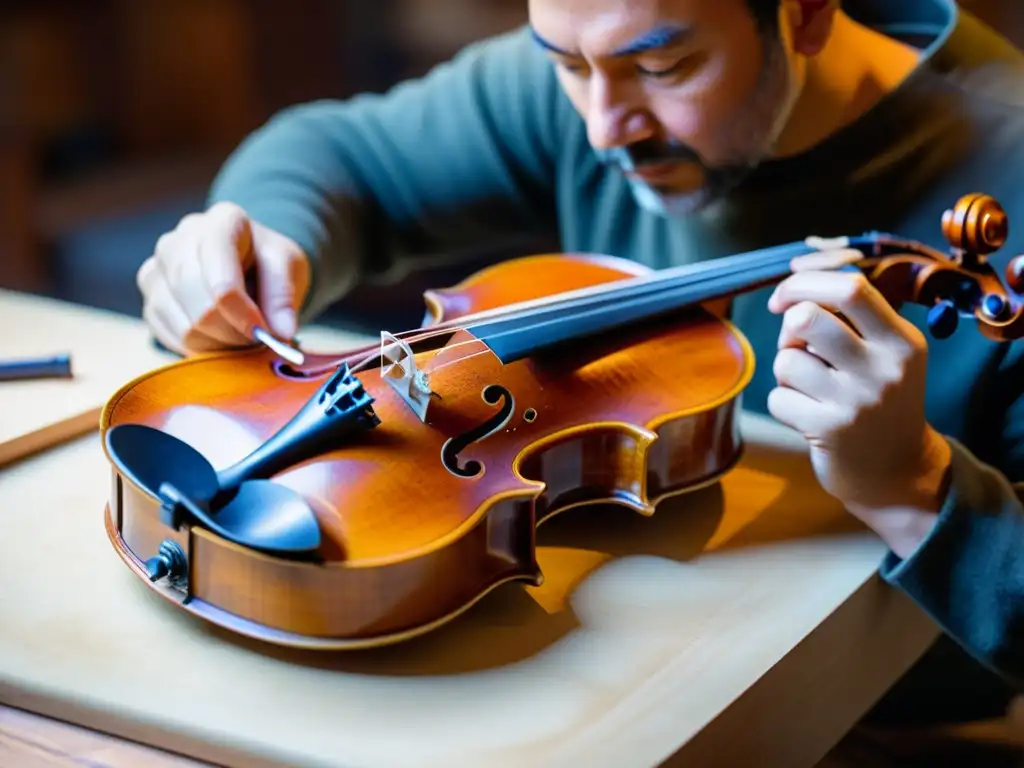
741,625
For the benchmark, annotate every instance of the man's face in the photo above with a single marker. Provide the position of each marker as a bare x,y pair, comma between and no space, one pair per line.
686,96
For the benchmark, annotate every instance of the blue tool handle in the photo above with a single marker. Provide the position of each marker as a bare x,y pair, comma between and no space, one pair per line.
56,367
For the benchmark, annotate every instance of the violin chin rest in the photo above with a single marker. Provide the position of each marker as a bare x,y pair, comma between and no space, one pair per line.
259,514
269,517
149,458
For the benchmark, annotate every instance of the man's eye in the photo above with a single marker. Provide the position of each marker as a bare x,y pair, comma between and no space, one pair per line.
681,67
574,69
659,72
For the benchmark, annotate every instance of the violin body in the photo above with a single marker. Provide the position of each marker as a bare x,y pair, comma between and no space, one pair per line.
408,543
360,500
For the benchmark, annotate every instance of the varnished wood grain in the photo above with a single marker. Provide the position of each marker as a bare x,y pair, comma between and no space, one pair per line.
629,418
28,740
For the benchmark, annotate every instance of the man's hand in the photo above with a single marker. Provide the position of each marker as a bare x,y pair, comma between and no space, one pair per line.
851,376
193,286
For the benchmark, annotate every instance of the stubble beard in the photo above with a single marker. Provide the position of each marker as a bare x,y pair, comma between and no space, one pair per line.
746,142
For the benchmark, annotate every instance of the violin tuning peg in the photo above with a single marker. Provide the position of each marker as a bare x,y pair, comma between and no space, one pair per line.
1015,275
943,319
994,306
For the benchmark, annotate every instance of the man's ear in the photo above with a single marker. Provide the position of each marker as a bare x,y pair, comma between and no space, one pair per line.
810,22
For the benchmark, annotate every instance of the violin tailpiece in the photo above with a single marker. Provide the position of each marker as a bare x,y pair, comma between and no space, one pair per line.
338,408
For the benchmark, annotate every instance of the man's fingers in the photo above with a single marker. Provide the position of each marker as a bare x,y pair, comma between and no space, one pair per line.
179,301
194,289
283,281
801,371
162,330
826,260
807,326
187,287
809,417
145,274
796,410
224,248
847,293
147,278
171,325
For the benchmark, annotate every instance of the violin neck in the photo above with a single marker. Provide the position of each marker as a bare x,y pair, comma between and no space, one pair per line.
559,320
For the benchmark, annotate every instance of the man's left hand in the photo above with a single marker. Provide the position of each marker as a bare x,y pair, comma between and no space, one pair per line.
855,389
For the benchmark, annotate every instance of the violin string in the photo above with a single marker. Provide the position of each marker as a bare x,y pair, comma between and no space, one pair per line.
485,351
643,287
732,269
624,288
371,356
598,312
716,278
729,267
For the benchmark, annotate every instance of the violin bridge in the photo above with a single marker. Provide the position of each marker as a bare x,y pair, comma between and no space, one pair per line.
398,369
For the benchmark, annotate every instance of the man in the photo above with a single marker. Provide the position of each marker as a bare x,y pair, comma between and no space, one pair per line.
677,131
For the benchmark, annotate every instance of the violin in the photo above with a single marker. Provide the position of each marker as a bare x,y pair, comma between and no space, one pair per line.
362,498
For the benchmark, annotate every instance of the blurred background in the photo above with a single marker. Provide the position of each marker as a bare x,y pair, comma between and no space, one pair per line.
115,114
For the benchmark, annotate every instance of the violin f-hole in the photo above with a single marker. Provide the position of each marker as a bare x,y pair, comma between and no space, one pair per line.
453,446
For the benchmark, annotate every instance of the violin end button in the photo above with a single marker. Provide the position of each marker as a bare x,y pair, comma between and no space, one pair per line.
157,567
168,563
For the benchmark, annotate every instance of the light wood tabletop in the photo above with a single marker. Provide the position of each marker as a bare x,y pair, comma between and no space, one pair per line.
42,412
743,624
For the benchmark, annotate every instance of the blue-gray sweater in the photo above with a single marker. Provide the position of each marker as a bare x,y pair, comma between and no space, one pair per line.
487,147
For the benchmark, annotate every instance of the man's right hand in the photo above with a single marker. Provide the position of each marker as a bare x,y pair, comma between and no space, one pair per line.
193,286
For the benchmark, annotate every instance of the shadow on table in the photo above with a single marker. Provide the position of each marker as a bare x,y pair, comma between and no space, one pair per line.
801,511
510,625
513,624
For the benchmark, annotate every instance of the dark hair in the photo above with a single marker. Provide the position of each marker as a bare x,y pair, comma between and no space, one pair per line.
766,12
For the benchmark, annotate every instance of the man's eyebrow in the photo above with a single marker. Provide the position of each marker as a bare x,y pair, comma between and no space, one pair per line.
660,36
550,46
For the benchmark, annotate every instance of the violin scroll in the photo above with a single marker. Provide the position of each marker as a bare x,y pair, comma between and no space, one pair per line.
962,283
976,226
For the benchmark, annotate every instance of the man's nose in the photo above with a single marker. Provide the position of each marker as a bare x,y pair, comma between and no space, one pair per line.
614,117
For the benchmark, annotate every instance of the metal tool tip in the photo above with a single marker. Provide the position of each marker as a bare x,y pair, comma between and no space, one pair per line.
290,353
